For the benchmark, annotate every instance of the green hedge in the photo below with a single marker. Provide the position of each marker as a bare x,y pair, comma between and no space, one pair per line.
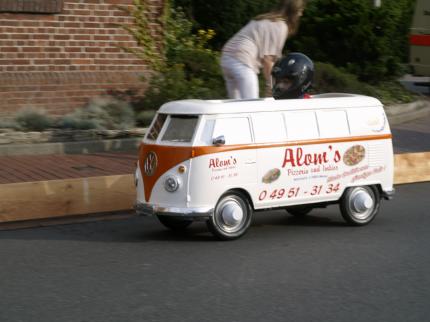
369,42
226,17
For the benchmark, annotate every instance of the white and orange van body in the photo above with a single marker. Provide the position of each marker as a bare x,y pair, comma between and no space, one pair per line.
273,153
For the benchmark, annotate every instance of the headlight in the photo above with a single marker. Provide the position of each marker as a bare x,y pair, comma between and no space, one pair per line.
171,184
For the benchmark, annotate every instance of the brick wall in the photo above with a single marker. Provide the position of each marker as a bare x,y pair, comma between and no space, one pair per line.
59,61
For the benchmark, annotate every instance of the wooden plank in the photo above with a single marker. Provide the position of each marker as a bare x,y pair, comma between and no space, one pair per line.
58,198
83,196
411,167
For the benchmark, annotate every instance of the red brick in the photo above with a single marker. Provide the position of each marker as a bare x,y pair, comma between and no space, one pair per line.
93,49
81,61
61,37
41,36
10,49
53,49
73,49
82,37
81,12
31,49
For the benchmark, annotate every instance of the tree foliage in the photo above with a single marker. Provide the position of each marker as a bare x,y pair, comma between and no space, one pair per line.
367,41
226,17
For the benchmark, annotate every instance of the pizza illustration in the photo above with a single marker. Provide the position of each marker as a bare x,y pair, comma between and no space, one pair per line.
354,155
272,175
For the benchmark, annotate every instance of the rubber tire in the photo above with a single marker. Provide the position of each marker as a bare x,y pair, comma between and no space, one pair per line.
215,225
348,213
299,211
174,223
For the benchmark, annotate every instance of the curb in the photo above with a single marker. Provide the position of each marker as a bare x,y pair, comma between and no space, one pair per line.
82,147
396,114
403,113
33,204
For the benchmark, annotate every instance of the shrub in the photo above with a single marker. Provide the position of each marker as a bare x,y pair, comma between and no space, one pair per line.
367,41
329,78
185,66
8,124
31,119
144,118
101,113
77,121
224,16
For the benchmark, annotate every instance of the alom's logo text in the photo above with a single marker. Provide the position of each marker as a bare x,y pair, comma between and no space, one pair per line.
295,159
218,163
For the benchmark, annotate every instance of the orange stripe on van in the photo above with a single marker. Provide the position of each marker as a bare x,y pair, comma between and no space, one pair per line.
170,156
202,150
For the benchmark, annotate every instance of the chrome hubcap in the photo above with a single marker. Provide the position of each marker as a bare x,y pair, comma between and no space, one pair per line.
230,214
361,203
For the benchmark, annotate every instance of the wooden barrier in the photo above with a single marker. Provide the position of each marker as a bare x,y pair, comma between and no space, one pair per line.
411,167
83,196
58,198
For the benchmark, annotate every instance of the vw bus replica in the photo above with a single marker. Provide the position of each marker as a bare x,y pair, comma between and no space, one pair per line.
220,161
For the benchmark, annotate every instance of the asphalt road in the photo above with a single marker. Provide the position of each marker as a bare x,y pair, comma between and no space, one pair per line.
412,137
284,269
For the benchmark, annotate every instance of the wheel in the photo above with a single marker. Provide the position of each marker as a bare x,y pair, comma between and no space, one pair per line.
174,223
360,205
232,216
299,211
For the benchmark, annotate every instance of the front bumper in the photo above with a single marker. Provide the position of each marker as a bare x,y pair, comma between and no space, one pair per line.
149,210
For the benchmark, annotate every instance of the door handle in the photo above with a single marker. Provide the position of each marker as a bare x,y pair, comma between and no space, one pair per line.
250,161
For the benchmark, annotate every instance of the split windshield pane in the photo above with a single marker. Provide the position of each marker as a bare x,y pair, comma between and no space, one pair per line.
180,128
156,127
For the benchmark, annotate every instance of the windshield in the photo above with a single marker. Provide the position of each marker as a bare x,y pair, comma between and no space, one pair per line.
180,128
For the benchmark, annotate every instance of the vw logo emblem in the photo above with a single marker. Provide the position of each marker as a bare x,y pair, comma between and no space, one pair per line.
150,164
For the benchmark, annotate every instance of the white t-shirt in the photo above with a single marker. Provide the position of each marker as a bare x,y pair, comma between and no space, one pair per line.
257,39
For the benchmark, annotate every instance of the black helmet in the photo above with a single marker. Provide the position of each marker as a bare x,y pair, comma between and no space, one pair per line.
292,76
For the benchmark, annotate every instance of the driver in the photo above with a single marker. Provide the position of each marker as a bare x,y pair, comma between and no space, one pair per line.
292,76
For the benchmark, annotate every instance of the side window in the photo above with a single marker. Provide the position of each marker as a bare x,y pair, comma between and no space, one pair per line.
207,128
301,125
269,127
235,130
333,124
366,119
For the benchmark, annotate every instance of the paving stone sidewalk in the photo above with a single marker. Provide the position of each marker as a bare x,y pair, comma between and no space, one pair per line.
15,169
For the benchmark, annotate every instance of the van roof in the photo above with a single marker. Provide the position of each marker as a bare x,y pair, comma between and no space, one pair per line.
322,101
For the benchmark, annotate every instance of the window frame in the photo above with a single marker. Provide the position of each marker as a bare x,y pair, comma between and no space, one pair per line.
235,116
32,7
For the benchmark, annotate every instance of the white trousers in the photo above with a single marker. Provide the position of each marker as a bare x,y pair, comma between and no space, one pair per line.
241,80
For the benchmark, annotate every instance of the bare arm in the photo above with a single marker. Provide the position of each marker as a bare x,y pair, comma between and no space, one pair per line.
268,62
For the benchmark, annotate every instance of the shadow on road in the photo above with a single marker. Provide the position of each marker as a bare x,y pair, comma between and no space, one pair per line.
144,229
